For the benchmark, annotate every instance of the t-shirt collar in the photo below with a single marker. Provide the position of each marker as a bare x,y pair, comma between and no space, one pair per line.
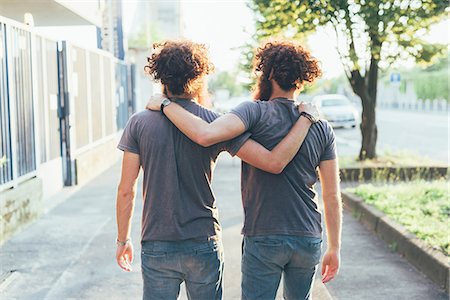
176,99
182,101
282,99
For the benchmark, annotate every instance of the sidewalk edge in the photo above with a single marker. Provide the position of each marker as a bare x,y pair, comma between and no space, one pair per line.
426,259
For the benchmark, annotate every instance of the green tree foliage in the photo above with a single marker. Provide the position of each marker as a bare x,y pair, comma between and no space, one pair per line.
432,82
432,85
144,37
375,33
246,61
225,81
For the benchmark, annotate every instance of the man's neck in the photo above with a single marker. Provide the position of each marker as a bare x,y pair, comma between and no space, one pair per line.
278,92
282,94
180,96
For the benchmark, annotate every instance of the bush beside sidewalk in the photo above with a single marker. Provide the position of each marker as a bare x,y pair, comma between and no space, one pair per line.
420,209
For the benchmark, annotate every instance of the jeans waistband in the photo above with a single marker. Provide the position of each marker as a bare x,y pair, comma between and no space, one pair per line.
183,245
203,239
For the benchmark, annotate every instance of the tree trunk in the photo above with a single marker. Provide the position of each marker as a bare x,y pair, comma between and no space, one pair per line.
369,131
366,88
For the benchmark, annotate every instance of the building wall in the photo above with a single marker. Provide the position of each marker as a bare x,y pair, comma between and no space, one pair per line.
162,20
96,160
44,142
19,206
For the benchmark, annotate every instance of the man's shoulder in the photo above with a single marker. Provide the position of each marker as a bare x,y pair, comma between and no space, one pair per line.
325,125
324,130
202,112
247,106
144,116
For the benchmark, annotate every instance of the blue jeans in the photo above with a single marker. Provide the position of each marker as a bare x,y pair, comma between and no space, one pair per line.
166,264
265,258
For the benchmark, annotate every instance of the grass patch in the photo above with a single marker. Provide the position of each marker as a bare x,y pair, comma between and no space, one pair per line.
422,207
389,159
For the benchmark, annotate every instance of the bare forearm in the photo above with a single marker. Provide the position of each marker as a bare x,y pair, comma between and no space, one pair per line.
333,219
192,126
201,132
124,211
276,160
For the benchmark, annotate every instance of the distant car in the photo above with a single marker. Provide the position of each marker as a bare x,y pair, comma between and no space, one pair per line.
337,110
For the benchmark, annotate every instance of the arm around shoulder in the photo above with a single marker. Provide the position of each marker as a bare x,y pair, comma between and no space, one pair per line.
201,132
277,159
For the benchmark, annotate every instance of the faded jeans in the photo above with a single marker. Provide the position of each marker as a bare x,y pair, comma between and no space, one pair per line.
166,264
265,258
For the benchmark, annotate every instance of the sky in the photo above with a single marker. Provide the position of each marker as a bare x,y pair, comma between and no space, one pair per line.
224,25
227,25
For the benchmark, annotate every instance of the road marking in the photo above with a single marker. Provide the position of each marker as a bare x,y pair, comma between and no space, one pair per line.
7,278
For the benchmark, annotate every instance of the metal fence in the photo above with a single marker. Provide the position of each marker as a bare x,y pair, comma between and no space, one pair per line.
46,95
390,97
98,85
18,135
124,93
5,129
56,101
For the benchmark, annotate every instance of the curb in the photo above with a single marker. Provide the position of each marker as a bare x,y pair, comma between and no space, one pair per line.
429,261
364,174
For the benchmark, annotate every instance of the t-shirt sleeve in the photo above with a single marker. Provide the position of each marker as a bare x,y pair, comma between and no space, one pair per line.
249,112
233,146
330,151
128,141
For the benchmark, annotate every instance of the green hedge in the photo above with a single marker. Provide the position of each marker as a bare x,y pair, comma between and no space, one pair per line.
432,85
422,207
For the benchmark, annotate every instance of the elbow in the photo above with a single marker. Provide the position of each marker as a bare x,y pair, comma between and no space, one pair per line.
276,168
204,139
125,192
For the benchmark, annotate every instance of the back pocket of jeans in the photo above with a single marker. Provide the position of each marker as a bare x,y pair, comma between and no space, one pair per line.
153,254
206,248
267,242
314,242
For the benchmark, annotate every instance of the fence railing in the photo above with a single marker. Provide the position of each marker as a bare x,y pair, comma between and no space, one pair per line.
5,129
419,105
18,151
56,100
390,96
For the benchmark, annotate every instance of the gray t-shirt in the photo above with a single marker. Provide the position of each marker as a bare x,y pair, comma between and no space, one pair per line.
284,203
178,201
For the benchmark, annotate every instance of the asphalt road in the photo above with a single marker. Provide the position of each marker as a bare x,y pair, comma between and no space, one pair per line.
425,134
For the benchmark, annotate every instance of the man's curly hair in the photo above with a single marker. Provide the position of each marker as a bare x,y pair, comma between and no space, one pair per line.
287,62
180,66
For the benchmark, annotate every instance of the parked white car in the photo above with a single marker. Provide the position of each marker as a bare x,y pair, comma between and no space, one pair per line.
338,110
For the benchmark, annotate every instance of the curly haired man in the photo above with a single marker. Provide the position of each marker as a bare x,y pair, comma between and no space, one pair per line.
181,233
282,227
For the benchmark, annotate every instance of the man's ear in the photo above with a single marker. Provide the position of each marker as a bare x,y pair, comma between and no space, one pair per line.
299,86
271,75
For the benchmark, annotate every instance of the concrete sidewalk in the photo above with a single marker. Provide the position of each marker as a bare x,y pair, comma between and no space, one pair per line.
69,252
